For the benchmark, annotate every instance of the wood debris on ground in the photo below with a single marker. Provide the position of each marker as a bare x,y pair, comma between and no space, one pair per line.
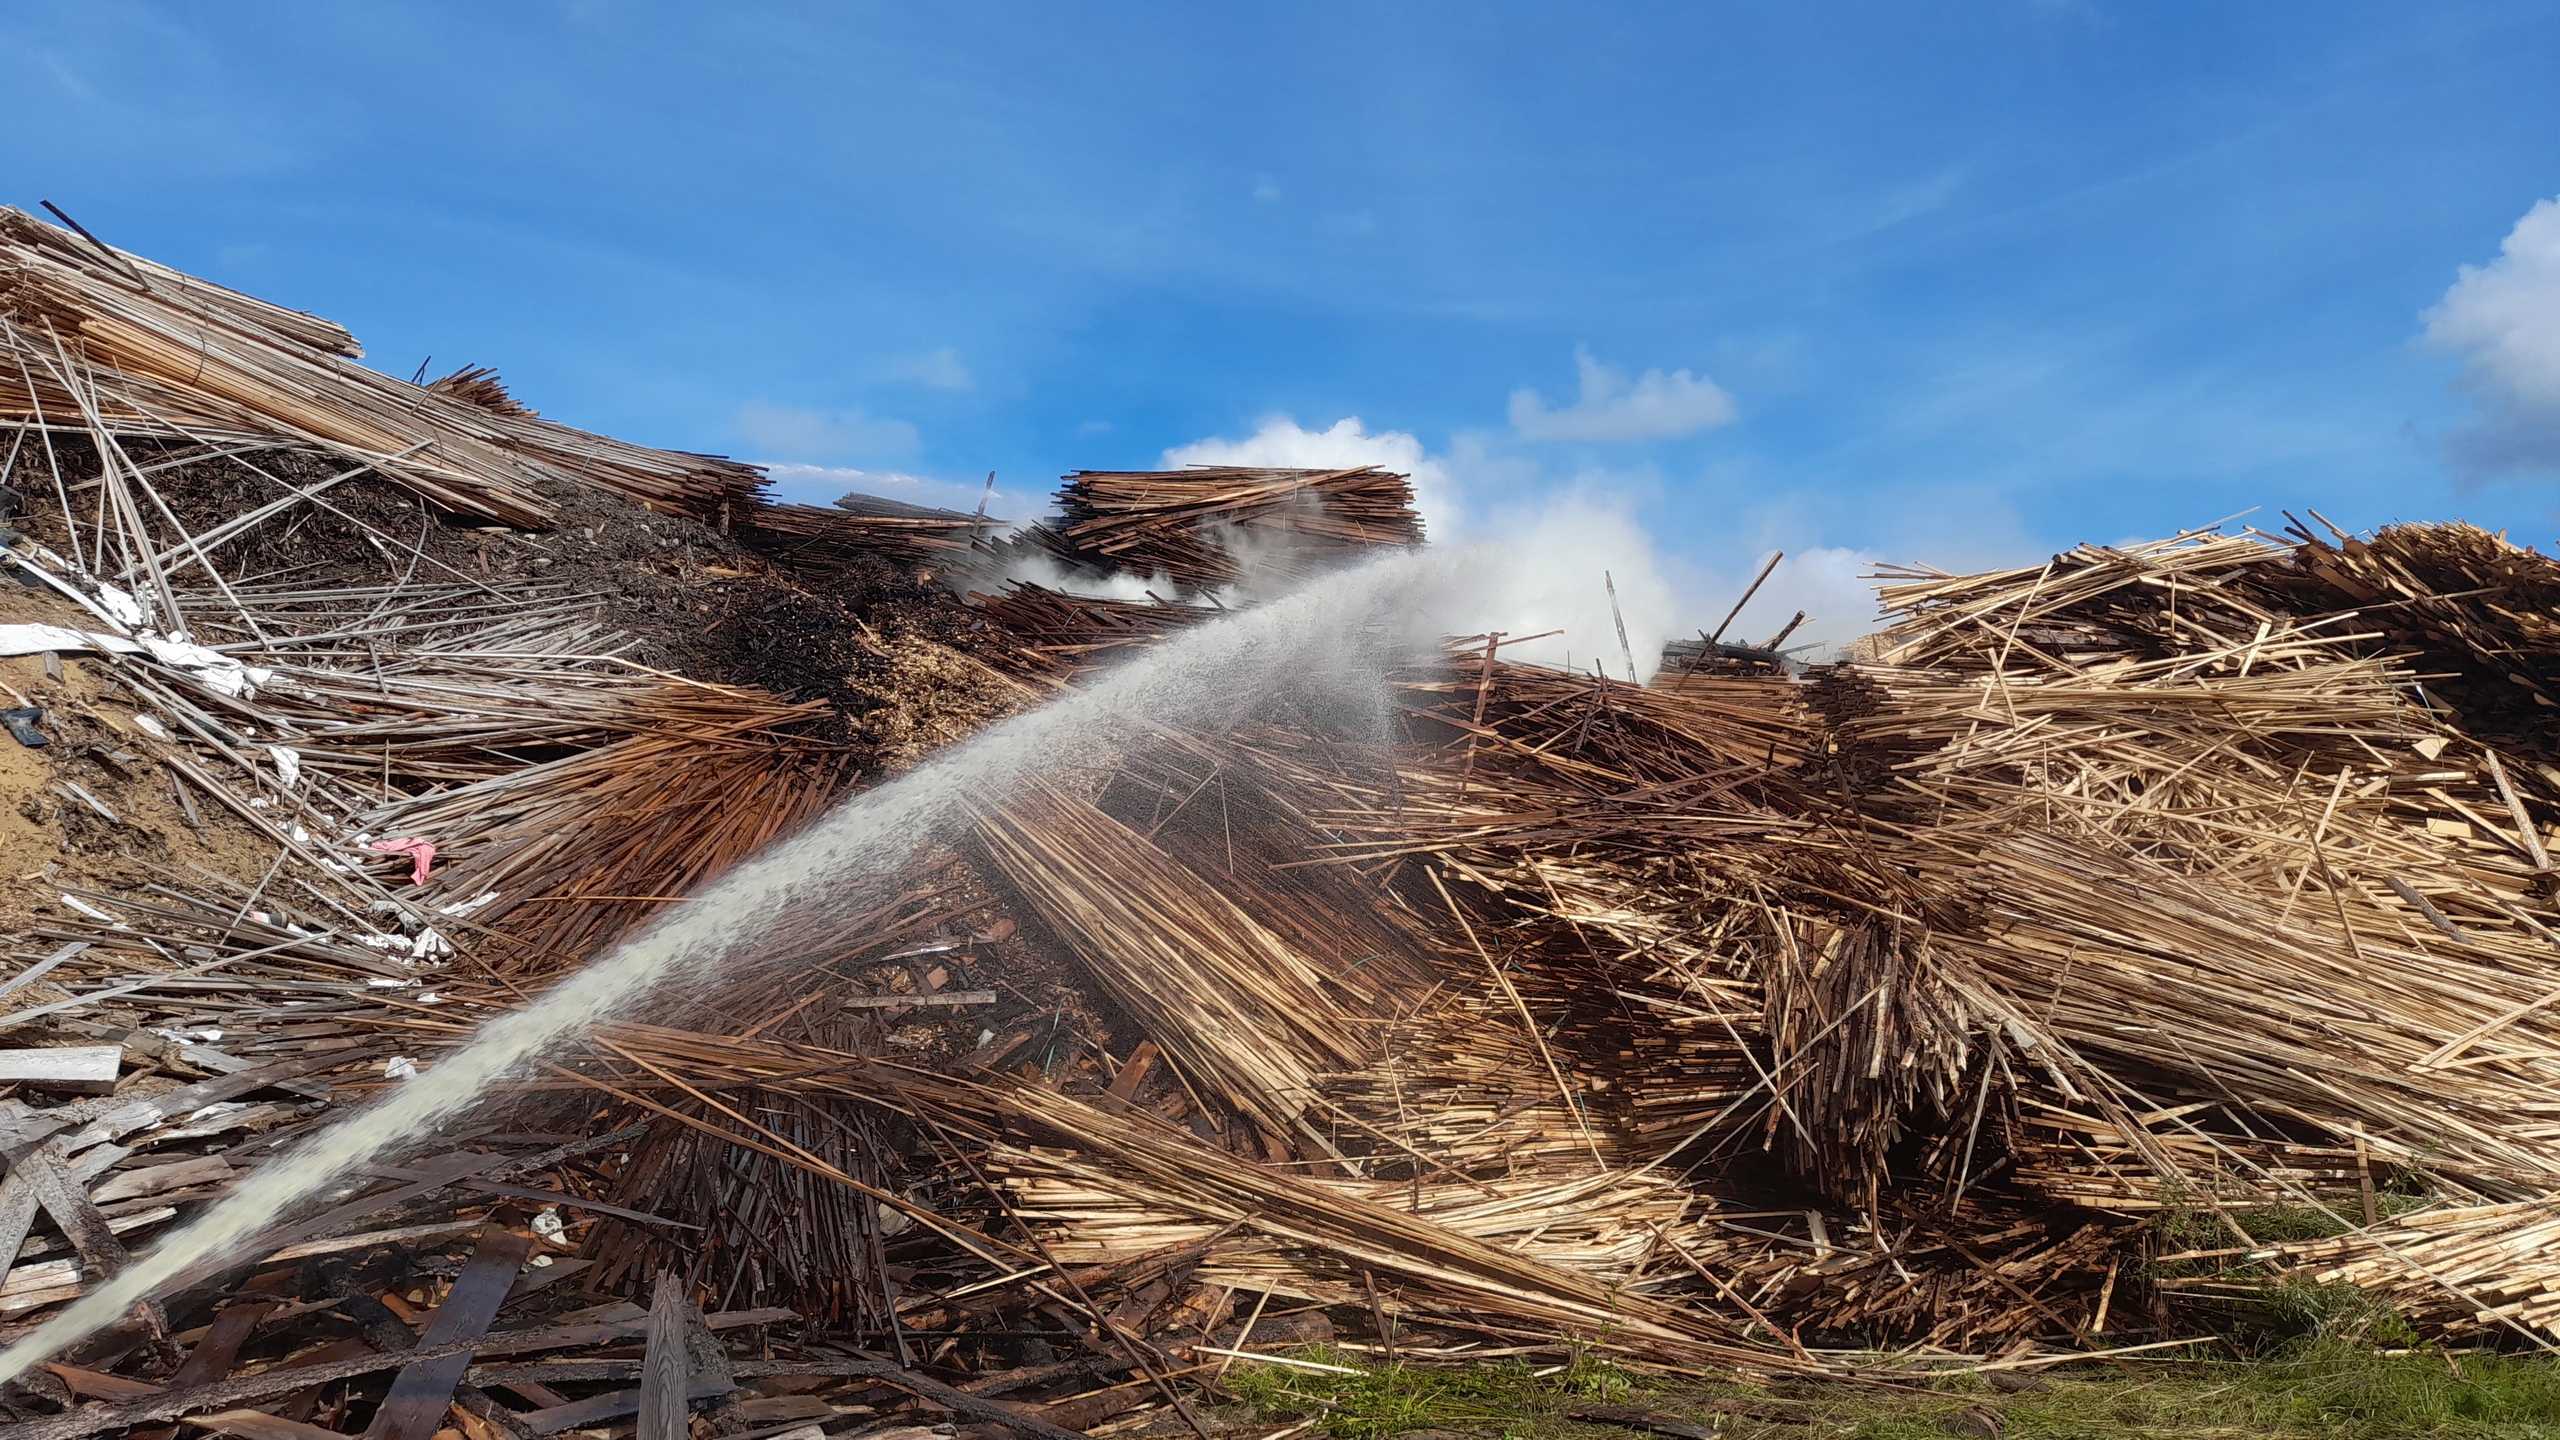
2100,948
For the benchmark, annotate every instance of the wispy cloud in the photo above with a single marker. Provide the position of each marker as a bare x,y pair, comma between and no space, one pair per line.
1657,405
2503,320
791,433
935,370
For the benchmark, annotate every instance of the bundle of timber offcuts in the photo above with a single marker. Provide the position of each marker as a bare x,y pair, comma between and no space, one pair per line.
1213,527
864,525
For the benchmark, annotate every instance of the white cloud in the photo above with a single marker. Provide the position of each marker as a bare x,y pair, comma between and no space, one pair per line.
2503,320
823,484
935,370
806,436
1659,405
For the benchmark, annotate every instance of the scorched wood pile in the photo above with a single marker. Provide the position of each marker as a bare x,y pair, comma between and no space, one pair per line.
2105,948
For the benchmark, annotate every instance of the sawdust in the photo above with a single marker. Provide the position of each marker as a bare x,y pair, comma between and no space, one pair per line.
923,695
51,840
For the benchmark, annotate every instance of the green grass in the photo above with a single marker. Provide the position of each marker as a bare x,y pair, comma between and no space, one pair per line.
2316,1390
1509,1398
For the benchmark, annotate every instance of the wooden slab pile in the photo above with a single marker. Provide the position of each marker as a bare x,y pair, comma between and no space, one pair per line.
107,343
2249,918
1212,527
820,538
1062,636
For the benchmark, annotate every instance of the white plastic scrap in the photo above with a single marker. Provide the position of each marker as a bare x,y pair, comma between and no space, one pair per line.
92,911
288,765
152,727
215,670
465,907
399,1067
121,607
546,1223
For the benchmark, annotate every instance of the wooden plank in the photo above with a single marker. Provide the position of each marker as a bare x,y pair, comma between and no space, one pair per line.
65,1197
398,1235
43,967
95,1385
156,1179
76,1069
595,1410
662,1406
124,1119
228,1394
543,1277
258,1425
1124,1086
958,1402
415,1408
212,1358
18,1202
945,997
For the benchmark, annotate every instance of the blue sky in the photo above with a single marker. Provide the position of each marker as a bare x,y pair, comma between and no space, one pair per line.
1960,283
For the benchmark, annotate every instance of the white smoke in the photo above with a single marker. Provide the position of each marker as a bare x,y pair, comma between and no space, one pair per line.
1036,567
1566,549
1826,582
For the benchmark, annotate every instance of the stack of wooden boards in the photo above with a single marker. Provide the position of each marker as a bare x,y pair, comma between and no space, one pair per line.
111,342
1239,531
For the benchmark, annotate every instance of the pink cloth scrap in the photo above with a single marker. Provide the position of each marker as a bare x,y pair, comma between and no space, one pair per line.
421,853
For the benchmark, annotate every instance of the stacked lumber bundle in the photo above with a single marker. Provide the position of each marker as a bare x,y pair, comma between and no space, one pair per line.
1060,636
1212,527
819,537
2252,921
112,345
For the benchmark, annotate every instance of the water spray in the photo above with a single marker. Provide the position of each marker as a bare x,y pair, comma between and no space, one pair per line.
1192,678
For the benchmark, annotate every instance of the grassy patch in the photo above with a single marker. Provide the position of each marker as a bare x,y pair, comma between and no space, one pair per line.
1509,1398
2322,1390
2316,1390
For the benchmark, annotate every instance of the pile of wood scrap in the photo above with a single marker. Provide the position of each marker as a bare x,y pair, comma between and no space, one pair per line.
1212,527
818,536
1062,636
2110,944
113,345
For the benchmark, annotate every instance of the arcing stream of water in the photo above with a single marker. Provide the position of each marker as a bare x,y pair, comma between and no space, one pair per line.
1189,679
